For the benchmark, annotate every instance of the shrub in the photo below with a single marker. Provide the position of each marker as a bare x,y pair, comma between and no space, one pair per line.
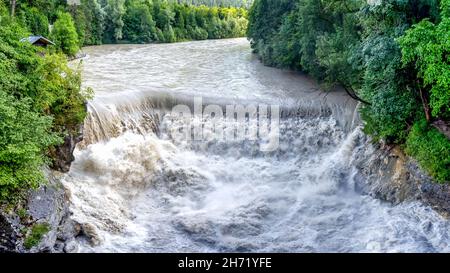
36,21
427,46
40,101
37,233
24,136
64,34
431,149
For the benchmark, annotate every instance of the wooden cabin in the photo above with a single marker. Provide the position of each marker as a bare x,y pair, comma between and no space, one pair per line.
38,41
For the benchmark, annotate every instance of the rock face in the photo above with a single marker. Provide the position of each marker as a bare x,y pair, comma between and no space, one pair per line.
391,176
9,237
49,206
63,154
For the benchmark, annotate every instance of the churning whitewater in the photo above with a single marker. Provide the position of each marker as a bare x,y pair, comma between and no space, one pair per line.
136,188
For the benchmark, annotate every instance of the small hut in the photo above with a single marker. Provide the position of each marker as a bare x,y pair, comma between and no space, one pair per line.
38,41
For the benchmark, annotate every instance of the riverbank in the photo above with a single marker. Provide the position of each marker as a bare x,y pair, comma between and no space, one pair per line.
386,64
40,219
390,175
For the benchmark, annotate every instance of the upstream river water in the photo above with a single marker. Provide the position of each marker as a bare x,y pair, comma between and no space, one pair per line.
138,188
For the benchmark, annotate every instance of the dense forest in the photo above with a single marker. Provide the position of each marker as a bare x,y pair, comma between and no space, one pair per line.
216,3
94,22
392,55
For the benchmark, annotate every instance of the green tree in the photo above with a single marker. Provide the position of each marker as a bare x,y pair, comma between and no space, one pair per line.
169,34
80,21
139,26
36,21
3,12
64,34
115,10
40,102
24,136
94,23
427,46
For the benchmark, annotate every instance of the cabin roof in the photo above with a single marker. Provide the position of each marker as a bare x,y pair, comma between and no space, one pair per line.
37,39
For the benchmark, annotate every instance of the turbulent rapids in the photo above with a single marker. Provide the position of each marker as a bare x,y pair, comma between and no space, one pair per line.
139,189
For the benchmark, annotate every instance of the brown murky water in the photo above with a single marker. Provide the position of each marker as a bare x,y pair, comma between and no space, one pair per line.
141,191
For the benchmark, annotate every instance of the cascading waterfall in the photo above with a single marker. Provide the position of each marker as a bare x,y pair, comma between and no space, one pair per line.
141,190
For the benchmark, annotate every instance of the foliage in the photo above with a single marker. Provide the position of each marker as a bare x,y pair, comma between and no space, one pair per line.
24,134
36,234
139,24
372,48
216,3
144,21
431,149
90,21
427,45
115,10
135,21
40,101
36,21
64,34
384,82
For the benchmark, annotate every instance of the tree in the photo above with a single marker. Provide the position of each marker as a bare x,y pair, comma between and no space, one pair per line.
36,21
115,10
40,101
169,34
427,46
13,8
64,34
3,11
23,138
94,24
139,26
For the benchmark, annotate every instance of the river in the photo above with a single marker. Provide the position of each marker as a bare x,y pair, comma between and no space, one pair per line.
140,189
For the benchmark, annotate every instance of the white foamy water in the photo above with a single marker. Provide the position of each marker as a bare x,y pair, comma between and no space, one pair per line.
142,191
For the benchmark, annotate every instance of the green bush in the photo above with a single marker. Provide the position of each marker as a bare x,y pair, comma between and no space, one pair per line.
65,35
427,46
34,20
36,234
431,149
24,136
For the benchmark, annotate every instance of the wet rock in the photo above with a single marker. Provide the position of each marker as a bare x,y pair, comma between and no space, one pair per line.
63,154
435,195
388,174
68,229
59,247
71,247
9,237
49,206
89,232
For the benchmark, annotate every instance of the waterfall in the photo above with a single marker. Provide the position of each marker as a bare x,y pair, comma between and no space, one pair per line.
141,189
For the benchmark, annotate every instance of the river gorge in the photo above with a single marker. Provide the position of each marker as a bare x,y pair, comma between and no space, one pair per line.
140,189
